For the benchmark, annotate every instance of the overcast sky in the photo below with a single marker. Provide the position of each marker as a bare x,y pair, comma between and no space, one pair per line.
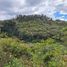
56,9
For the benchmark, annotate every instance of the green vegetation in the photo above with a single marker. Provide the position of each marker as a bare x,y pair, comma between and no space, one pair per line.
33,41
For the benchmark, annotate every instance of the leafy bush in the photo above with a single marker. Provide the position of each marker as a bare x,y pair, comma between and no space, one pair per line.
48,53
14,63
45,53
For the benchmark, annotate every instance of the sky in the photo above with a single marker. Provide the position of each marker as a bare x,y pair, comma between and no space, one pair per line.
56,9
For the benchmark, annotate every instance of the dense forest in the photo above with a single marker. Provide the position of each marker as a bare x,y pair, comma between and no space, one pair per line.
33,41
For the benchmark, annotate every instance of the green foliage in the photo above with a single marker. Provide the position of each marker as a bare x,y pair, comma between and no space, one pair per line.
48,52
14,63
33,41
33,27
44,53
64,37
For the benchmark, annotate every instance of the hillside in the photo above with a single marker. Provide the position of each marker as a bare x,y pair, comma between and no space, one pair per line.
33,41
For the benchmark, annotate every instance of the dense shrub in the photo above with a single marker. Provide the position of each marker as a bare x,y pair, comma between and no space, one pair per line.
14,63
33,41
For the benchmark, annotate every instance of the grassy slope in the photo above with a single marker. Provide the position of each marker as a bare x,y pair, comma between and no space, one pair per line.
33,42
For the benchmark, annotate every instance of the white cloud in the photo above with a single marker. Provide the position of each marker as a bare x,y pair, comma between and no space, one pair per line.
11,8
